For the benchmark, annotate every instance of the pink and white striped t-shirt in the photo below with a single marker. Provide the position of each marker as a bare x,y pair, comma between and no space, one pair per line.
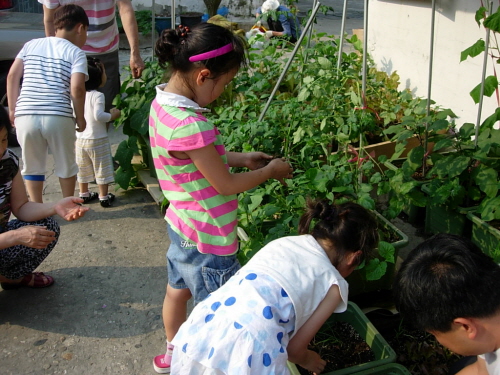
197,212
102,35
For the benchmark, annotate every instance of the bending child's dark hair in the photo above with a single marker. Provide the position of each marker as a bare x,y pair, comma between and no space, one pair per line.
349,227
175,46
95,69
4,120
444,278
66,17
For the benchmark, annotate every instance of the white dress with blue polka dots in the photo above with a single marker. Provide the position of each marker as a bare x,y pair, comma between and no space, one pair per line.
243,328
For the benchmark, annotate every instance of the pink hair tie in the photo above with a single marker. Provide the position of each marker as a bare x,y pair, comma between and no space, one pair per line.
211,54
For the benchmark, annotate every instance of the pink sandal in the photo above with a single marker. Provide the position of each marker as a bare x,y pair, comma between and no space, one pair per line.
31,280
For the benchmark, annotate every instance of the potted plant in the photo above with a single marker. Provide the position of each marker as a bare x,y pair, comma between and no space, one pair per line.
163,20
190,19
485,227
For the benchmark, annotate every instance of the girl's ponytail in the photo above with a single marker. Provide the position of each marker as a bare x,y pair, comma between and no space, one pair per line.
349,227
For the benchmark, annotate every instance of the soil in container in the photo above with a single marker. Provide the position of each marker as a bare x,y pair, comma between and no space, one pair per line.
340,346
416,350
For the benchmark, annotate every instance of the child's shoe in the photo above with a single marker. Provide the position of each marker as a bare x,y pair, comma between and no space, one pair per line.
107,201
161,363
89,196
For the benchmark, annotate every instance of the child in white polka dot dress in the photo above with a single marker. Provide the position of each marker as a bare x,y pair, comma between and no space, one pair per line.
269,311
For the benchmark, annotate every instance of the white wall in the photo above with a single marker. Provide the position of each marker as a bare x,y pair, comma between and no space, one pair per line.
399,40
243,8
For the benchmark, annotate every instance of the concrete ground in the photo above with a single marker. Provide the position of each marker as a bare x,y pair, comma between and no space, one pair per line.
103,315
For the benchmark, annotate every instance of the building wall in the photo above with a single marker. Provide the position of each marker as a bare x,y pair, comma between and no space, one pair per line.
399,40
238,8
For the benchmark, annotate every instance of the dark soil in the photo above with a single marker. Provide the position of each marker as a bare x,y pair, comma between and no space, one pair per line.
340,346
417,350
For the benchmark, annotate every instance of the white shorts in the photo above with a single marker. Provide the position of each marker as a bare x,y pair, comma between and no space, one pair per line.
37,134
94,160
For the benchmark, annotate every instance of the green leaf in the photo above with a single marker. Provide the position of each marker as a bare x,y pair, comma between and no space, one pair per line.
303,94
125,152
490,85
298,135
123,177
386,251
480,14
467,130
375,269
491,120
493,21
324,62
487,180
140,119
443,143
473,50
415,157
490,209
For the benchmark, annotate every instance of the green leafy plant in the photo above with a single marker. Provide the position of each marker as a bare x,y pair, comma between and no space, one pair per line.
134,102
313,121
143,18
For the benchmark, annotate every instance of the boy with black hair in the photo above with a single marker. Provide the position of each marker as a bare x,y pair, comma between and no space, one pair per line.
53,70
449,288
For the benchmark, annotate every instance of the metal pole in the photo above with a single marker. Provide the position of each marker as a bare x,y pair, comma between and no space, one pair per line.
342,30
153,29
294,52
172,5
429,82
363,79
311,29
483,76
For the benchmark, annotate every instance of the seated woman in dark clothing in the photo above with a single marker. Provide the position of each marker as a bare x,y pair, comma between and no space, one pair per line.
26,241
281,21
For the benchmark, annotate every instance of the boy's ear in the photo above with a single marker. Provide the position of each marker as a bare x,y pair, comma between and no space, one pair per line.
81,28
202,76
468,326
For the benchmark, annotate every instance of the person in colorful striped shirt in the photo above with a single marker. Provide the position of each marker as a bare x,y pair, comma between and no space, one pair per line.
193,168
103,37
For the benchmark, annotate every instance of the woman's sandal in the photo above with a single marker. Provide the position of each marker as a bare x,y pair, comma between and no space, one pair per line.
31,280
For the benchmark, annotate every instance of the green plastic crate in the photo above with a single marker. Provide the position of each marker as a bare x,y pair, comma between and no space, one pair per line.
443,219
381,349
485,236
389,369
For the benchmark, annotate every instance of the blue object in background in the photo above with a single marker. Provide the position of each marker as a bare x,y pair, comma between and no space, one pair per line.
222,11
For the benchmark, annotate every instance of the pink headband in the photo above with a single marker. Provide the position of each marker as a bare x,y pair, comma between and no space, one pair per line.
211,54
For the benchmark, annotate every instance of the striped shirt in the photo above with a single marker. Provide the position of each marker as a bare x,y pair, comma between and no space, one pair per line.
48,66
102,34
197,212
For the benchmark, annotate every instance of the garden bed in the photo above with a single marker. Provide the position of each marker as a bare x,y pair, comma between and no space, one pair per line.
416,350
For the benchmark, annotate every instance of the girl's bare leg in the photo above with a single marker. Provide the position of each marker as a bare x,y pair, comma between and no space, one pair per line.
174,310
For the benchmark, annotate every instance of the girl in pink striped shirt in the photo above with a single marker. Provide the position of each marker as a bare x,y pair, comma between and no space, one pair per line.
193,168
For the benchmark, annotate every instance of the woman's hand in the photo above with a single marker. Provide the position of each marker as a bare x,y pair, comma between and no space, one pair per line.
70,208
313,362
256,160
37,237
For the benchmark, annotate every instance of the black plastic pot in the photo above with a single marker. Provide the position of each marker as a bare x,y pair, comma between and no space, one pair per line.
191,19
